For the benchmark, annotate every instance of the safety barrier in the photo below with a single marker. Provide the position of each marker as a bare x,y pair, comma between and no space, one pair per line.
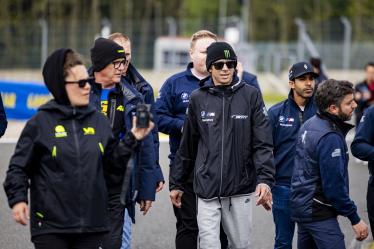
22,99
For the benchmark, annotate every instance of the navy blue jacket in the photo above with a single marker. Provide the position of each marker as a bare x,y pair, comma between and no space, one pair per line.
134,78
171,106
363,144
286,119
320,185
3,121
362,105
143,184
173,100
250,79
321,77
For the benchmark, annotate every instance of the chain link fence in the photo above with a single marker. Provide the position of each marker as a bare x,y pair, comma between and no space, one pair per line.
21,46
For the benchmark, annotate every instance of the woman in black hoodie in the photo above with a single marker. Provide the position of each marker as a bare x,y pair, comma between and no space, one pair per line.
62,155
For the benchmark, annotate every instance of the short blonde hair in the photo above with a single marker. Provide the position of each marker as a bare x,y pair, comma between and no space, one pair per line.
202,34
120,36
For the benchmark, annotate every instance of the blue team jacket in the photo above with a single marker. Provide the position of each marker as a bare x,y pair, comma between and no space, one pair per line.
171,106
320,185
286,119
363,144
134,78
251,80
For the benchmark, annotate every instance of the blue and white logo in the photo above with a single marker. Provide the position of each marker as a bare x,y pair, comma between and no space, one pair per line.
265,112
239,116
336,153
207,116
303,137
185,97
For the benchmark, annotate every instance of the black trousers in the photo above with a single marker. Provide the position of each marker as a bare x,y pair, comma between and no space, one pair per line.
187,228
69,241
116,212
370,206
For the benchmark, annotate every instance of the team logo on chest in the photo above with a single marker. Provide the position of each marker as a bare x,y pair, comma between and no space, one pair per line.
60,131
185,97
207,116
88,131
286,121
242,117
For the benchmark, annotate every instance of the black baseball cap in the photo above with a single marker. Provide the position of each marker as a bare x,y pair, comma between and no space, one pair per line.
299,69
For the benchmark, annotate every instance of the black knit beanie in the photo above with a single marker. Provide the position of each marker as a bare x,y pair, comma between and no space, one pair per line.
217,51
104,52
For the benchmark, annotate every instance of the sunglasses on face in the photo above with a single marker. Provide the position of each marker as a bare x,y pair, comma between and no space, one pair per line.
81,83
117,64
219,65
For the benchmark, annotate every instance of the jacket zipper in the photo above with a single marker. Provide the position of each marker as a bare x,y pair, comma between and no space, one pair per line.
301,116
222,145
78,160
112,113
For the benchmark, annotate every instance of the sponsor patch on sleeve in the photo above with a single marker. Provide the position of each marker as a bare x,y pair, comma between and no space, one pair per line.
336,153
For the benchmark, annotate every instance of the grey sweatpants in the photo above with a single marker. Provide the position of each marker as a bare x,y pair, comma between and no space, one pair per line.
236,216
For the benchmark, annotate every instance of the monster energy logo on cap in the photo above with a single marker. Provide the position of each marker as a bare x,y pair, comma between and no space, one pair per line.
227,53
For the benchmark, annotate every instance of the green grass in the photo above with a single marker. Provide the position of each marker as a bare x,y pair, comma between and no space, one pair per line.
273,98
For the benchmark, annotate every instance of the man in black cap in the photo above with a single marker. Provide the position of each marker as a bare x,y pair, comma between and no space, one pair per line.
107,94
286,119
227,143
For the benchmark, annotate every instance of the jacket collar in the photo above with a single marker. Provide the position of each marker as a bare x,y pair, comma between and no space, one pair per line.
129,91
133,76
336,122
207,84
67,111
97,87
292,100
189,71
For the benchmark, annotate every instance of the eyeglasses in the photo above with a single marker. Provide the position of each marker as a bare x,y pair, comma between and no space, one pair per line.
219,65
117,64
81,83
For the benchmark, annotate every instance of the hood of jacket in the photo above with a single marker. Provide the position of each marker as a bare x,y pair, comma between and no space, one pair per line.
53,75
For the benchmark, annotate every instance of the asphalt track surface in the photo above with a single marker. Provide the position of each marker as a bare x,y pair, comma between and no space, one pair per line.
156,230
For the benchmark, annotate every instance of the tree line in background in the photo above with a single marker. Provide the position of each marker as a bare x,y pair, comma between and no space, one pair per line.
74,23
